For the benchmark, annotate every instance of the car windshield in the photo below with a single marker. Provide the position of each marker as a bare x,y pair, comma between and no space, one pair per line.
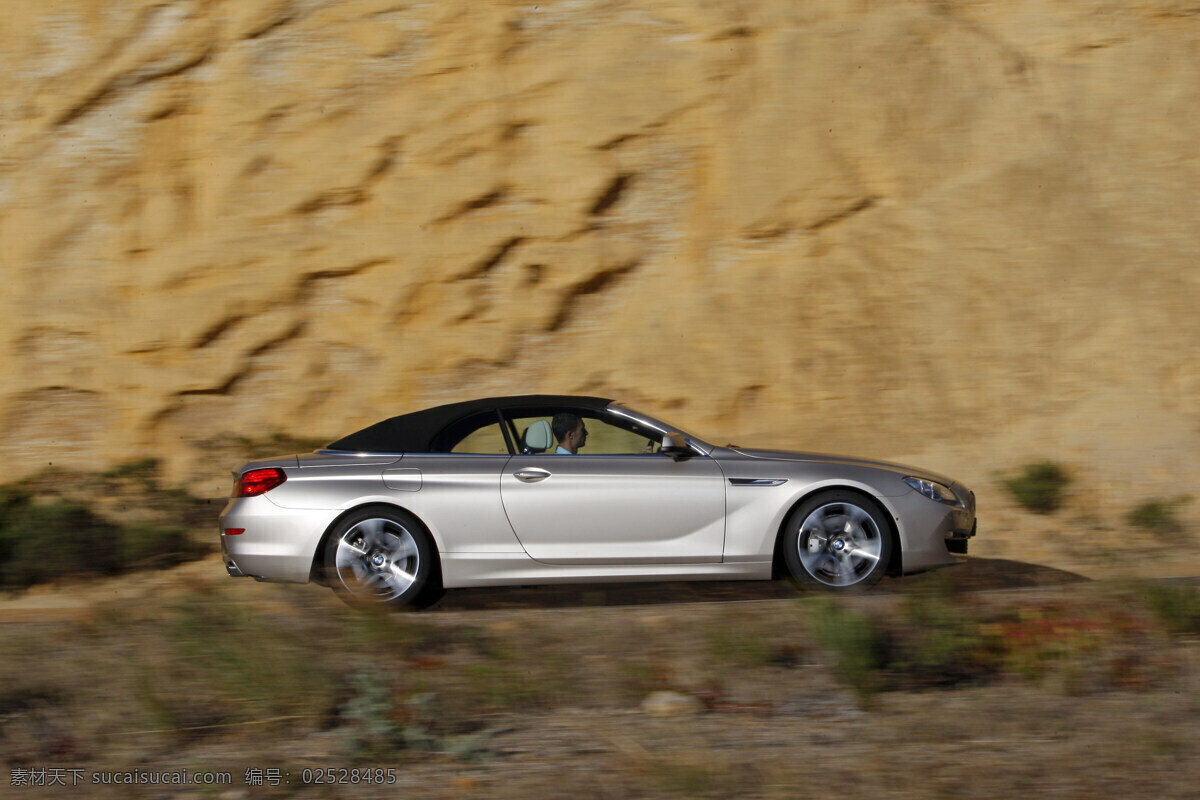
643,419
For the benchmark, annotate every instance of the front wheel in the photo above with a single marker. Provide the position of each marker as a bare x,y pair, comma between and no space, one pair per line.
381,558
837,540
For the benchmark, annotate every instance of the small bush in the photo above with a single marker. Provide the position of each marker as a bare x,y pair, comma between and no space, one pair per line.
1158,515
1039,487
47,541
1177,606
862,646
943,644
12,499
372,710
41,542
1036,640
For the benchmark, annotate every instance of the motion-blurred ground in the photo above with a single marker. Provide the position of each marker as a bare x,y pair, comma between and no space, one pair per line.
927,688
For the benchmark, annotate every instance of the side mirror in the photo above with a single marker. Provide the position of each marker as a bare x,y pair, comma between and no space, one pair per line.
675,446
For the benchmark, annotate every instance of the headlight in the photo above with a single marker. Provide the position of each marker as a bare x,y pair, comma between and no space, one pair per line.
933,490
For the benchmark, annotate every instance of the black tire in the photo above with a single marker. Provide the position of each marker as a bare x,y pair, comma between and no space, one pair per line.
382,558
837,541
430,595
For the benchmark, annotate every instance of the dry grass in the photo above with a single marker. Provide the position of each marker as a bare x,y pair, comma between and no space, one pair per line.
1062,692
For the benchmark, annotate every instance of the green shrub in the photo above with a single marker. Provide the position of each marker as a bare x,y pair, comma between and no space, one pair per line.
41,542
1039,487
1177,606
372,710
1158,515
943,643
861,645
47,541
12,499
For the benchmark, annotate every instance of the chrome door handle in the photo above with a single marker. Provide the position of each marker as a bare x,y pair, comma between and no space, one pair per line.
531,475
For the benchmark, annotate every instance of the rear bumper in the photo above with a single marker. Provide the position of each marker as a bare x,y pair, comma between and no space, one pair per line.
277,544
231,568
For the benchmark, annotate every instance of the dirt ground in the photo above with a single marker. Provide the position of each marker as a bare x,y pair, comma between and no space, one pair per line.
676,690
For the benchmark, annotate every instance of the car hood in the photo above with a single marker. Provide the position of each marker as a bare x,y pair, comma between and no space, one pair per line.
827,458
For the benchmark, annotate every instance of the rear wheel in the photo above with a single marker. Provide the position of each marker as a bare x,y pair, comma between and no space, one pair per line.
837,540
382,558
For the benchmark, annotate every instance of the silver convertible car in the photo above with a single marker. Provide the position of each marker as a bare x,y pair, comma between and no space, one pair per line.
557,489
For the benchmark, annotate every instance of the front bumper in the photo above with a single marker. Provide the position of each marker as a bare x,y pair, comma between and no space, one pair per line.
957,541
933,534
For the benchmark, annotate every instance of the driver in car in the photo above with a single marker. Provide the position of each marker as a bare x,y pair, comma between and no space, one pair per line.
570,432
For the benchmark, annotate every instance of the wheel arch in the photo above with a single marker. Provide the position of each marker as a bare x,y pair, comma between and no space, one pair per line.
895,563
316,571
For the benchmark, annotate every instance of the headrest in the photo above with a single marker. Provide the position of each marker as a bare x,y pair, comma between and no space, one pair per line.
538,436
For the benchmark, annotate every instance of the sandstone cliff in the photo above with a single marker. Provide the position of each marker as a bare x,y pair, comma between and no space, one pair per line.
963,231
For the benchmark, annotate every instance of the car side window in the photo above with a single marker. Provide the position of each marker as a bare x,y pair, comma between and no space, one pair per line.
603,439
606,439
480,433
488,440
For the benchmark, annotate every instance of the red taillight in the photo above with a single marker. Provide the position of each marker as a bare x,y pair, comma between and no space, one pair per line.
233,531
258,481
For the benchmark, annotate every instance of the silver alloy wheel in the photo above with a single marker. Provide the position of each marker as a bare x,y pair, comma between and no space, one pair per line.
839,544
377,559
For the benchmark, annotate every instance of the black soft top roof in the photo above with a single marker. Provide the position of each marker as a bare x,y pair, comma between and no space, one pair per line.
418,432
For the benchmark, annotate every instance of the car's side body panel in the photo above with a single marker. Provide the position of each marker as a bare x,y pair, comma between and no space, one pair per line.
762,492
459,502
616,510
757,513
461,570
334,486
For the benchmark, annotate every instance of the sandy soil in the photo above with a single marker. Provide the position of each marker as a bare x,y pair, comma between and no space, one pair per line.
785,731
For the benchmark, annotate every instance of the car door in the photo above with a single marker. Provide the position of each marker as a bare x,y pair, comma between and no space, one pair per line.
616,508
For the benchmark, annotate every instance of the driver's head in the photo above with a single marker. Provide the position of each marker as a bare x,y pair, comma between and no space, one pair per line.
569,430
